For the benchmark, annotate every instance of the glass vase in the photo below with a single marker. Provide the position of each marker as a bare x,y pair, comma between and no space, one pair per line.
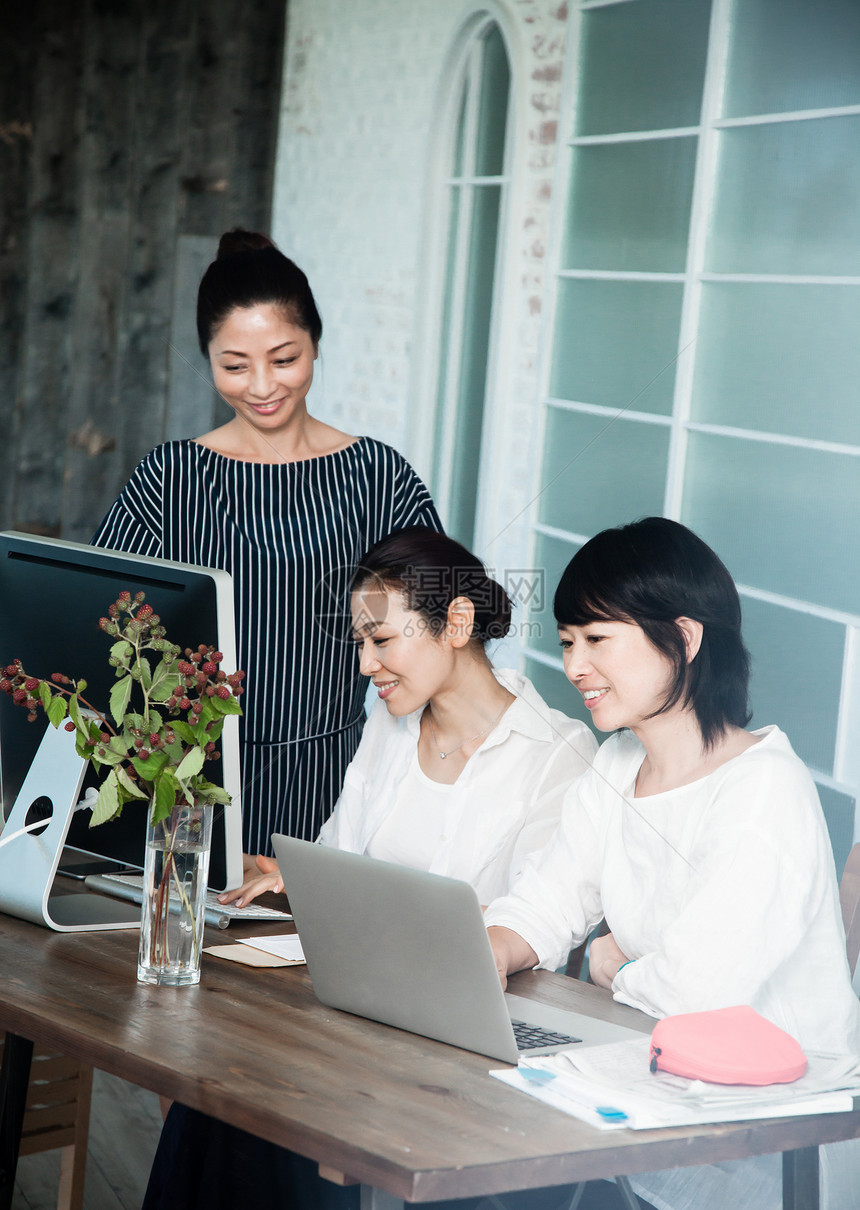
174,896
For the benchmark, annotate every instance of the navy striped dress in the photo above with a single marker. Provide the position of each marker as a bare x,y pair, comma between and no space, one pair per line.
290,534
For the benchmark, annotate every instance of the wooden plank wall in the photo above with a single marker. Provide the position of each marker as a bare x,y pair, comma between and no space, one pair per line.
132,133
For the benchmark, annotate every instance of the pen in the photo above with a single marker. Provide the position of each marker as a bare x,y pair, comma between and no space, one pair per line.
134,894
607,1112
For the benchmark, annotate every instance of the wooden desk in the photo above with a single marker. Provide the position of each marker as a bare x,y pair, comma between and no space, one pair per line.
409,1117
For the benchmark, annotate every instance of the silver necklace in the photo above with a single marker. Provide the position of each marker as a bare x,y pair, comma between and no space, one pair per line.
451,751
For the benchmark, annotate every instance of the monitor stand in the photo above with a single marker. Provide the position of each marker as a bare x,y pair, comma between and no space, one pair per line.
28,862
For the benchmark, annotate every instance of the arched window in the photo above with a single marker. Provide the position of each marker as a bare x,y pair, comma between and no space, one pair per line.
476,176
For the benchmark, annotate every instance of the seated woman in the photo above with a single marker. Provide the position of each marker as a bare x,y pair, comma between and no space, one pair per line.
702,844
461,769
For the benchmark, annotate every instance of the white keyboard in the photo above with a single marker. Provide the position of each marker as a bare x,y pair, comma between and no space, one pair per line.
130,887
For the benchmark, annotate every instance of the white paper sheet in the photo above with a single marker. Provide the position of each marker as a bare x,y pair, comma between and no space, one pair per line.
284,945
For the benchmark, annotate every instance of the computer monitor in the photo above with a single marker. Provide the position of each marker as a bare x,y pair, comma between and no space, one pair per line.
52,594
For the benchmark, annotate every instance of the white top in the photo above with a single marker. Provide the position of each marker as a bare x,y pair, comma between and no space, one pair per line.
423,815
724,891
504,805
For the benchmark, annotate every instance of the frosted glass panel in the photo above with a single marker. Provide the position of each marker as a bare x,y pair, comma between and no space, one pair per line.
806,708
761,363
642,66
477,311
631,206
551,557
616,343
783,518
556,689
458,168
794,55
839,815
443,387
492,107
598,473
788,199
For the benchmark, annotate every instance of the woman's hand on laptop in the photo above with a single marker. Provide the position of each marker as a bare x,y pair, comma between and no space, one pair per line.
260,874
511,952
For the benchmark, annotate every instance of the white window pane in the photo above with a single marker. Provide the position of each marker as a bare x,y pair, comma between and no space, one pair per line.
785,519
599,472
642,66
781,359
839,813
556,689
492,107
806,708
788,199
552,556
460,133
477,313
631,206
792,56
616,343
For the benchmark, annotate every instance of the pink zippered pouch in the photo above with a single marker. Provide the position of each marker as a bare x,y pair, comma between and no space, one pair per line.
726,1046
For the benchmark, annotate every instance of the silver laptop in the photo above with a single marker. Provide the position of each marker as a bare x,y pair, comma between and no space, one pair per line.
410,949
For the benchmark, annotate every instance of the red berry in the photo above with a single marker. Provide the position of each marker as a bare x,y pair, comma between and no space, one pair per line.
69,726
125,595
31,683
6,685
144,612
154,739
223,691
217,656
12,669
19,696
143,754
197,708
209,668
184,703
209,690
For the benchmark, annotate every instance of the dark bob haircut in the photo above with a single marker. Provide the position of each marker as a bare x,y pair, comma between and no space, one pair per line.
651,573
430,570
247,272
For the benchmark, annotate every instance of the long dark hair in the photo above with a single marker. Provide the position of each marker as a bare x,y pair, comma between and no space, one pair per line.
250,270
430,570
653,572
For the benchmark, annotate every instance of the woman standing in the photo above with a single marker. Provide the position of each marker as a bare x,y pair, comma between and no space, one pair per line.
286,504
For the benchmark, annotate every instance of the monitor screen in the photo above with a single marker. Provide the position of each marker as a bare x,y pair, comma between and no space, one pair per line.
52,594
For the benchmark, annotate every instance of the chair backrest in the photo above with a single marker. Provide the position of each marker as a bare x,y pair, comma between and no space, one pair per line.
849,896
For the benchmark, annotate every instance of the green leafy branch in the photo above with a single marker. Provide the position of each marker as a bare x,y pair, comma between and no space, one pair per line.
166,708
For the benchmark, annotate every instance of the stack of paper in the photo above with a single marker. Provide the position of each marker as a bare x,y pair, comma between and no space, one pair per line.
612,1087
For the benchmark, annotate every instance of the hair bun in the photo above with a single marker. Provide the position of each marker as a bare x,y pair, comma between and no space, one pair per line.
239,240
493,608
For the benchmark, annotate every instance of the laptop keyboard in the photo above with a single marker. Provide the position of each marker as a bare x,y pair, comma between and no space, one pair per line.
529,1036
253,911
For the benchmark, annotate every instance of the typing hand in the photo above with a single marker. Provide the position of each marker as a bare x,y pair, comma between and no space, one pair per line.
604,960
261,874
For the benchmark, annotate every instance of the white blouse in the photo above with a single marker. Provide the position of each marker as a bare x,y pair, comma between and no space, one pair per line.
724,892
504,805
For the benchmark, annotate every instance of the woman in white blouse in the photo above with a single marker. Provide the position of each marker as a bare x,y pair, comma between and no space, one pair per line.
702,844
461,769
